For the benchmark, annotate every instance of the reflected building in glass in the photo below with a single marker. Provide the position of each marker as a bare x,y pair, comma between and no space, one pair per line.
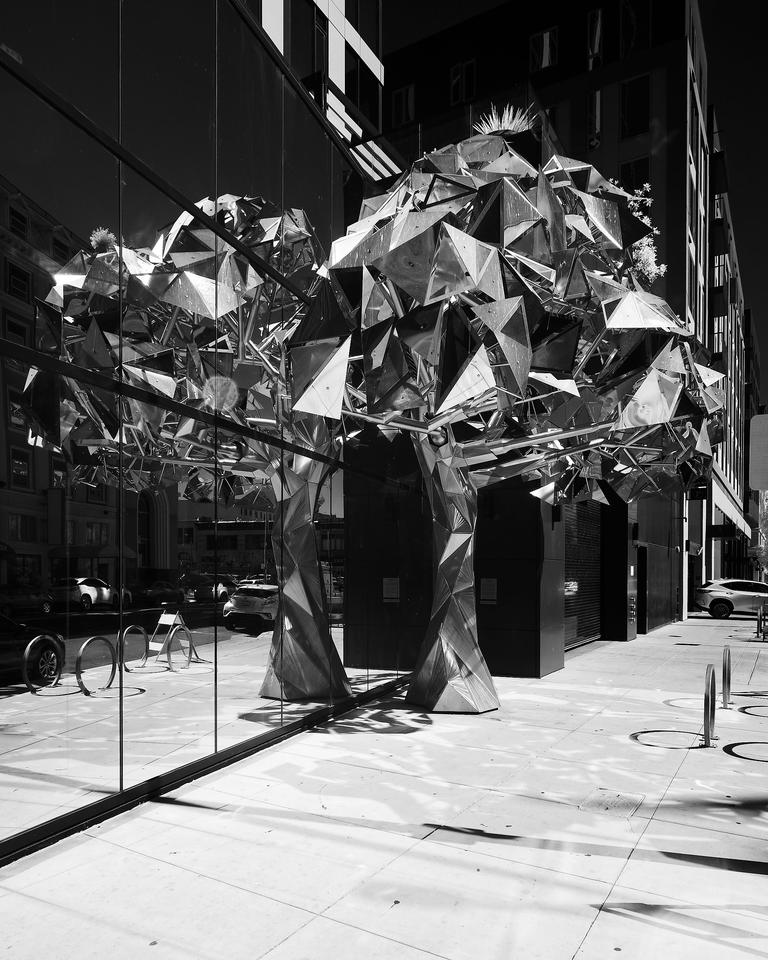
137,605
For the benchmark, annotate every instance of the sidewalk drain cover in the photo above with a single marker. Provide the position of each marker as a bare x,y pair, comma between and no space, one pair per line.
687,644
602,800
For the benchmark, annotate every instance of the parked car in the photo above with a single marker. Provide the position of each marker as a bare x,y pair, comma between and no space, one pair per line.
724,597
18,601
88,592
47,655
220,589
252,605
161,591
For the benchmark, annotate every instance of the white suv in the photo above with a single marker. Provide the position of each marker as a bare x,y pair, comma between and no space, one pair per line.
724,597
252,605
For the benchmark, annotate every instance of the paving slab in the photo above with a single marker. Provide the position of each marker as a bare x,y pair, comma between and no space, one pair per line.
583,819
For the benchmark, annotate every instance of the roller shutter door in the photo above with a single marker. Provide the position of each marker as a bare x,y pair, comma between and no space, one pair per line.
582,572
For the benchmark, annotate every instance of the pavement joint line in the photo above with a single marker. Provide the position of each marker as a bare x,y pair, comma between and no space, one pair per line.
615,883
197,873
751,912
522,863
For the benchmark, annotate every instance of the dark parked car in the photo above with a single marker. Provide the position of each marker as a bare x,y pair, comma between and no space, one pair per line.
46,657
21,601
161,591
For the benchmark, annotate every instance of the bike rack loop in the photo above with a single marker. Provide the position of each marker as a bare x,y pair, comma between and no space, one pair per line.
710,696
79,663
169,646
134,628
726,678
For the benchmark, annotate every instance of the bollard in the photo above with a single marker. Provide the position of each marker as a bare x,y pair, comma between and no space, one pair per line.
710,696
726,678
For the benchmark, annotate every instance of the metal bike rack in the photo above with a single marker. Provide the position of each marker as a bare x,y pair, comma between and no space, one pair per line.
79,663
169,645
726,678
710,696
134,628
33,688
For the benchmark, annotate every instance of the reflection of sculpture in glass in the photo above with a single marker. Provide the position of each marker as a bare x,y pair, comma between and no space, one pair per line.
193,320
485,306
502,324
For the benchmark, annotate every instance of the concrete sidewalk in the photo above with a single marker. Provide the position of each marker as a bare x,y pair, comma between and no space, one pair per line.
580,820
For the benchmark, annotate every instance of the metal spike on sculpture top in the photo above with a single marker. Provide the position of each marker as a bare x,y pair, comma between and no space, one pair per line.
498,318
504,325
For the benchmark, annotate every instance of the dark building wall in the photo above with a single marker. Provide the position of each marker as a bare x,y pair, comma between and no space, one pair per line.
520,544
659,537
388,538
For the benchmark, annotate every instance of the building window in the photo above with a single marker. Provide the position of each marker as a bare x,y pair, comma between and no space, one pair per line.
18,282
635,26
96,534
362,87
594,39
635,106
27,570
59,476
719,206
633,174
96,494
403,105
16,330
364,16
21,473
17,222
59,250
542,50
462,82
23,527
309,39
185,535
594,119
15,416
253,541
721,270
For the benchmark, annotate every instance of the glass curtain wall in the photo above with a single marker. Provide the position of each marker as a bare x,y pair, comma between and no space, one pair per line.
172,530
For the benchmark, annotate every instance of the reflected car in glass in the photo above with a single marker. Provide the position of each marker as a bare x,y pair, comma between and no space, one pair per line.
46,658
18,601
723,597
220,589
253,606
159,592
87,592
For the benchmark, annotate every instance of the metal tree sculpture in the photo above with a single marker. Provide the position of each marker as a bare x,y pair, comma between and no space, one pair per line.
503,326
250,331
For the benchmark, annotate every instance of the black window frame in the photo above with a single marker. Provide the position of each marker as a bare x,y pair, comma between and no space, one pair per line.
535,57
21,227
25,454
626,106
12,268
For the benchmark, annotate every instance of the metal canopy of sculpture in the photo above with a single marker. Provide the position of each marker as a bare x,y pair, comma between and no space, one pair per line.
502,324
487,307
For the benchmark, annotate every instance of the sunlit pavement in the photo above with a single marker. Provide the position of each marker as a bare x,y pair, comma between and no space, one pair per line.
581,820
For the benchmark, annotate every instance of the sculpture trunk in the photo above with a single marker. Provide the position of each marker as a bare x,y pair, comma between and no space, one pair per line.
303,661
451,675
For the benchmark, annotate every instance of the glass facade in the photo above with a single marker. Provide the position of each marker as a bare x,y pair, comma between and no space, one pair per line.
139,587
